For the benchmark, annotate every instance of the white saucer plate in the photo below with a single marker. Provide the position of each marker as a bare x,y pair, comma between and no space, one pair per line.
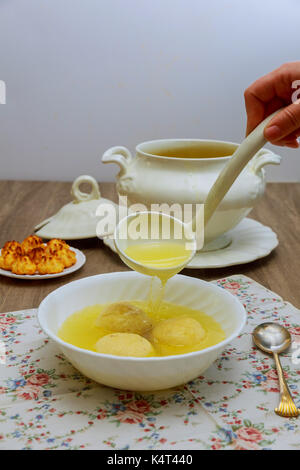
251,240
80,261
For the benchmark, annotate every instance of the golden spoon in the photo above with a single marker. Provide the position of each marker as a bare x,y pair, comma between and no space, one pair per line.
273,338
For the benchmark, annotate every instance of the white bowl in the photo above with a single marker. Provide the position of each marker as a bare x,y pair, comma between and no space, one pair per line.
144,374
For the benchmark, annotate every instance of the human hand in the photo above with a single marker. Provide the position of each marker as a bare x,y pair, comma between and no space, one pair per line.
269,93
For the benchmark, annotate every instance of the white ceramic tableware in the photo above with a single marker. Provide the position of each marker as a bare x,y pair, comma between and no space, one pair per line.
143,374
149,177
250,145
79,218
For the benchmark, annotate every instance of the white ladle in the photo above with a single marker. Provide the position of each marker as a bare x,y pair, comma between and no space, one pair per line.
123,239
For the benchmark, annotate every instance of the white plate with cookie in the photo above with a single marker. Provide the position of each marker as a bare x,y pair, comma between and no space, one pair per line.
80,261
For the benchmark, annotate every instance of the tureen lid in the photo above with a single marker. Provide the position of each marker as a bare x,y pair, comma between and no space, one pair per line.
80,218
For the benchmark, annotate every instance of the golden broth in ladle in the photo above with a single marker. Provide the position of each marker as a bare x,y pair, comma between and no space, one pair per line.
157,256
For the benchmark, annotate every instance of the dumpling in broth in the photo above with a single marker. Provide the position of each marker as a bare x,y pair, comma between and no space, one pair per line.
181,331
125,344
123,317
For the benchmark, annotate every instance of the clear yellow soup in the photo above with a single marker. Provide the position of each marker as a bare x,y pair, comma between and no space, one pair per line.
162,258
159,254
196,150
80,328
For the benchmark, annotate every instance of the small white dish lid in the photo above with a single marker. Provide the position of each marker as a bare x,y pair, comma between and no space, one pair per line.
79,218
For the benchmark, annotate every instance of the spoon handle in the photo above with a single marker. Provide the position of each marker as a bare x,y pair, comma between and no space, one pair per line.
286,407
243,154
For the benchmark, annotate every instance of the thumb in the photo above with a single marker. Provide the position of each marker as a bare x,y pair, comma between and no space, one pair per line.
284,123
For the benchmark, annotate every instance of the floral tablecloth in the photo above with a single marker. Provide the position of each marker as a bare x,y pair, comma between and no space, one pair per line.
47,404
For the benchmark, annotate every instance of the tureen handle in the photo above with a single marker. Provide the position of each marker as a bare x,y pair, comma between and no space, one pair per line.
264,157
119,155
80,196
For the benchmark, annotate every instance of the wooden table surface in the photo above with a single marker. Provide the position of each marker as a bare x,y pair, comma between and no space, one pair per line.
24,204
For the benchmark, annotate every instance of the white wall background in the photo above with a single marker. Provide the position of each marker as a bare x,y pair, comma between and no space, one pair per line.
83,75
